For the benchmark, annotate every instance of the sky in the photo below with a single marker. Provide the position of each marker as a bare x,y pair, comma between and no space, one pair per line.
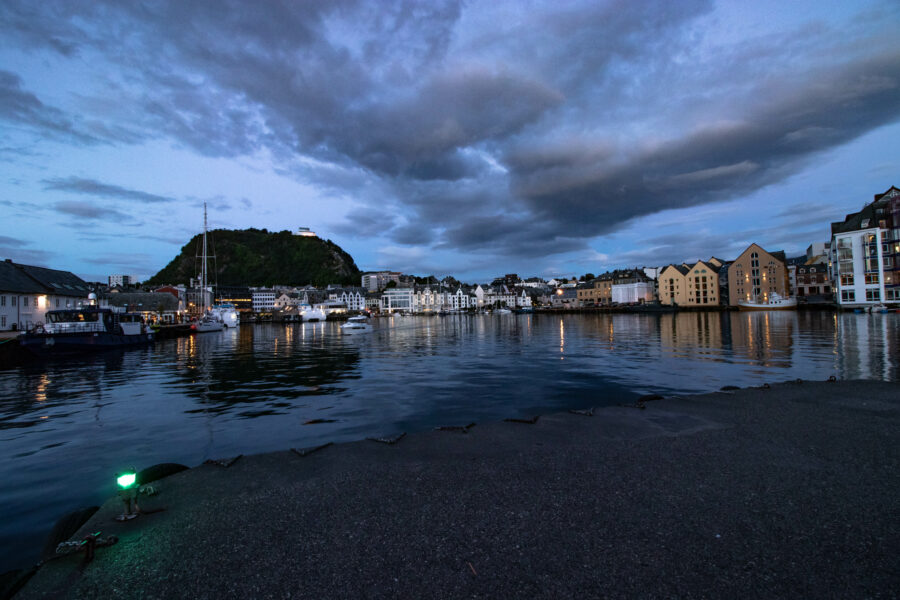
469,139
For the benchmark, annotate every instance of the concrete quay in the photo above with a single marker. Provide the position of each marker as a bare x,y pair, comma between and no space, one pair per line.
788,491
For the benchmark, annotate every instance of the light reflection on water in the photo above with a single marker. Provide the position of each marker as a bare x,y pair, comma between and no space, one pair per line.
65,427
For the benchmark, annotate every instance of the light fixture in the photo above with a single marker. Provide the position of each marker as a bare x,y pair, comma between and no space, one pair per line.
128,492
126,479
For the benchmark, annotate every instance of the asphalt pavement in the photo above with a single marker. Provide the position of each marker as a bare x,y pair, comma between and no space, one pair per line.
789,491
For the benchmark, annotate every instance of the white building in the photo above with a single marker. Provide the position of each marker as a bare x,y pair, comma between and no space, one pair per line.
865,253
352,299
27,293
632,293
263,299
378,280
304,232
398,299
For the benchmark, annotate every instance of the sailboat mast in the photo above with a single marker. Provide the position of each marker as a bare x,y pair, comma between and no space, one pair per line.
203,266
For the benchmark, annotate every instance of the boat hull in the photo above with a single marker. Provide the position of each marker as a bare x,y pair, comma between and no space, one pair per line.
786,306
59,344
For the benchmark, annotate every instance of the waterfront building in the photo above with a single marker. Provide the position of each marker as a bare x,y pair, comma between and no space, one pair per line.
398,299
378,280
673,285
239,296
865,253
154,307
756,274
28,292
690,285
596,292
564,297
351,298
638,292
263,299
812,282
373,302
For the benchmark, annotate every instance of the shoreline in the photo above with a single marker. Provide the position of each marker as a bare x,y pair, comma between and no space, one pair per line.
781,491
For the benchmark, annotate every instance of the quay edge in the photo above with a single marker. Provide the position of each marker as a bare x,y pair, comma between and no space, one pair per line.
777,492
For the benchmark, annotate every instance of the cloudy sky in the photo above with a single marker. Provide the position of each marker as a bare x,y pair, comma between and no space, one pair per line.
464,138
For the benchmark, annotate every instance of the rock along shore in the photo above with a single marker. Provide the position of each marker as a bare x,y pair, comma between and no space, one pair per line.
784,492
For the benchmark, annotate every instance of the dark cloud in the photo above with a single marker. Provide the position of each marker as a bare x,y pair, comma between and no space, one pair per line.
12,242
23,108
90,211
92,187
19,251
364,223
482,127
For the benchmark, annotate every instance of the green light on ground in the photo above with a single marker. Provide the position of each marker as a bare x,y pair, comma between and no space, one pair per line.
126,480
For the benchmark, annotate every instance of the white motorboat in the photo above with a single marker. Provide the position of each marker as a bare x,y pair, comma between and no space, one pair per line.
356,325
311,314
774,302
503,311
227,313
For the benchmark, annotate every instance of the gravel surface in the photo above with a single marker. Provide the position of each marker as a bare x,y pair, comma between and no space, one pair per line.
787,492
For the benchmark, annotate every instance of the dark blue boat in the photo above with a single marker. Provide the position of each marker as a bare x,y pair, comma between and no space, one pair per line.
73,331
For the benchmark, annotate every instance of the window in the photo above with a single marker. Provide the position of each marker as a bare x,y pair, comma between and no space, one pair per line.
2,300
12,300
848,296
873,295
2,320
25,301
892,294
871,278
57,303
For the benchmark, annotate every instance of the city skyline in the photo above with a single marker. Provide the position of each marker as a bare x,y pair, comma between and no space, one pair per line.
470,140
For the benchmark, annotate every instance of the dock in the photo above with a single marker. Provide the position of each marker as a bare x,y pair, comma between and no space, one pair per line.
786,490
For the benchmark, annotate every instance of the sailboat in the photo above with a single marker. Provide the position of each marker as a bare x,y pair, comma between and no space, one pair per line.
207,322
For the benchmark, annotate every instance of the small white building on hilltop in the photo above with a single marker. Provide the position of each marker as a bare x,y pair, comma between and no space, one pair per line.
305,232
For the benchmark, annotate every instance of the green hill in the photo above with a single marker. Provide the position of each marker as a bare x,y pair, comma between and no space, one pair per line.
258,257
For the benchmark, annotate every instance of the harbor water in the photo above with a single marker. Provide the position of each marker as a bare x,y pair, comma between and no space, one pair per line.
66,426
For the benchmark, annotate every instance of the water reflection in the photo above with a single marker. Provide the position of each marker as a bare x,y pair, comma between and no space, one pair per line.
66,425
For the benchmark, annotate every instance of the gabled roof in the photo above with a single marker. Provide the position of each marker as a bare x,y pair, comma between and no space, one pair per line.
680,268
27,279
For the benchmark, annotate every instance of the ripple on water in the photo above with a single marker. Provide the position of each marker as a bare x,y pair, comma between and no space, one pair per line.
66,426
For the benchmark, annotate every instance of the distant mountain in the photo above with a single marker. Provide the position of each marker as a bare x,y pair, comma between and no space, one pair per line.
262,258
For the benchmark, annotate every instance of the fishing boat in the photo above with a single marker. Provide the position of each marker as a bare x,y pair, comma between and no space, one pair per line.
207,321
76,330
356,325
774,302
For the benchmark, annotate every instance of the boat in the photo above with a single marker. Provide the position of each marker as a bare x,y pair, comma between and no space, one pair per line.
503,311
76,330
207,321
775,302
227,313
356,325
311,314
